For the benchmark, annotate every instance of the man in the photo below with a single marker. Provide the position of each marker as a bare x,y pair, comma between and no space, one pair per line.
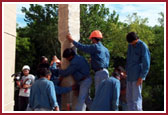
43,95
99,56
56,80
79,69
24,84
137,67
107,95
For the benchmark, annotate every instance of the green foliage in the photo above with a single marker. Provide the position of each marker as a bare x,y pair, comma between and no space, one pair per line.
42,22
24,53
40,38
155,81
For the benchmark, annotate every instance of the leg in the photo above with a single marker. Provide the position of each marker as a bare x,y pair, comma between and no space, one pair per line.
23,101
137,97
83,93
129,96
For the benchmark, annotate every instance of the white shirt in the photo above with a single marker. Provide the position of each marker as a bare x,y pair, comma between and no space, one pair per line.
28,80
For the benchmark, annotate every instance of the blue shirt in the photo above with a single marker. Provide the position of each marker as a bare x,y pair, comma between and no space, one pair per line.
107,95
55,80
78,68
99,54
138,61
43,95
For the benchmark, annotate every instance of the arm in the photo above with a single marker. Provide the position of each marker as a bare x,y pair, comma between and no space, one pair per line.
54,69
26,86
69,71
53,65
18,84
62,90
126,68
52,95
145,62
28,82
85,48
116,95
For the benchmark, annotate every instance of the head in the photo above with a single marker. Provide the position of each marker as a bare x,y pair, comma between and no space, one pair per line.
116,74
132,38
43,59
44,72
69,53
96,36
95,40
54,57
26,70
122,72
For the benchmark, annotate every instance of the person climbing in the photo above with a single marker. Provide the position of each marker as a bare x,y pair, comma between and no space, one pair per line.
79,69
137,68
99,56
57,81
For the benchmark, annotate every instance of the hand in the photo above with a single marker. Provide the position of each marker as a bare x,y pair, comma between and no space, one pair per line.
51,63
69,37
56,109
18,84
59,64
139,81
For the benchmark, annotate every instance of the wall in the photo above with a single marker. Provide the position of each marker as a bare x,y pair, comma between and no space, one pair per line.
9,54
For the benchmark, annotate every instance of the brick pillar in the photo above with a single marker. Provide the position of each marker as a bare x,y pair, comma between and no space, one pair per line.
9,55
69,21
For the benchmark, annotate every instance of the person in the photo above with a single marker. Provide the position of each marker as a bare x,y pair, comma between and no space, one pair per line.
107,95
79,69
99,56
55,64
43,64
137,68
123,102
43,95
56,60
57,80
24,84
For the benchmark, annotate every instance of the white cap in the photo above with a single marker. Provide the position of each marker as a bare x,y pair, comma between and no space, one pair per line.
25,67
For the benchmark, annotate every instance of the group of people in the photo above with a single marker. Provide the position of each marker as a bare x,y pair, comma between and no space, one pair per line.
123,87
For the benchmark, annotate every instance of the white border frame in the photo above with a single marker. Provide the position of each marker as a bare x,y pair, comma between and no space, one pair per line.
164,3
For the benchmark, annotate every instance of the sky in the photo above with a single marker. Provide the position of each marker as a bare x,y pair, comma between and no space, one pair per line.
144,10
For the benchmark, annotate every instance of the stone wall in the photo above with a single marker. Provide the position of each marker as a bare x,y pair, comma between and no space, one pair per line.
9,55
69,21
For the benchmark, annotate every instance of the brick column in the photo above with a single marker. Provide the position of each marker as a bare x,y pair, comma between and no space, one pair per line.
69,21
9,55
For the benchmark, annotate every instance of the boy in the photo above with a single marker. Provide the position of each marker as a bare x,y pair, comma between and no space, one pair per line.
43,95
107,95
137,68
26,82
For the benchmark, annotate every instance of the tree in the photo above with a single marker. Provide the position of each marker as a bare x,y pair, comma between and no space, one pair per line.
154,86
24,52
42,22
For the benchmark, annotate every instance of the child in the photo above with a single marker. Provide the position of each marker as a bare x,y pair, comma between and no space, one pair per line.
107,95
26,82
43,95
